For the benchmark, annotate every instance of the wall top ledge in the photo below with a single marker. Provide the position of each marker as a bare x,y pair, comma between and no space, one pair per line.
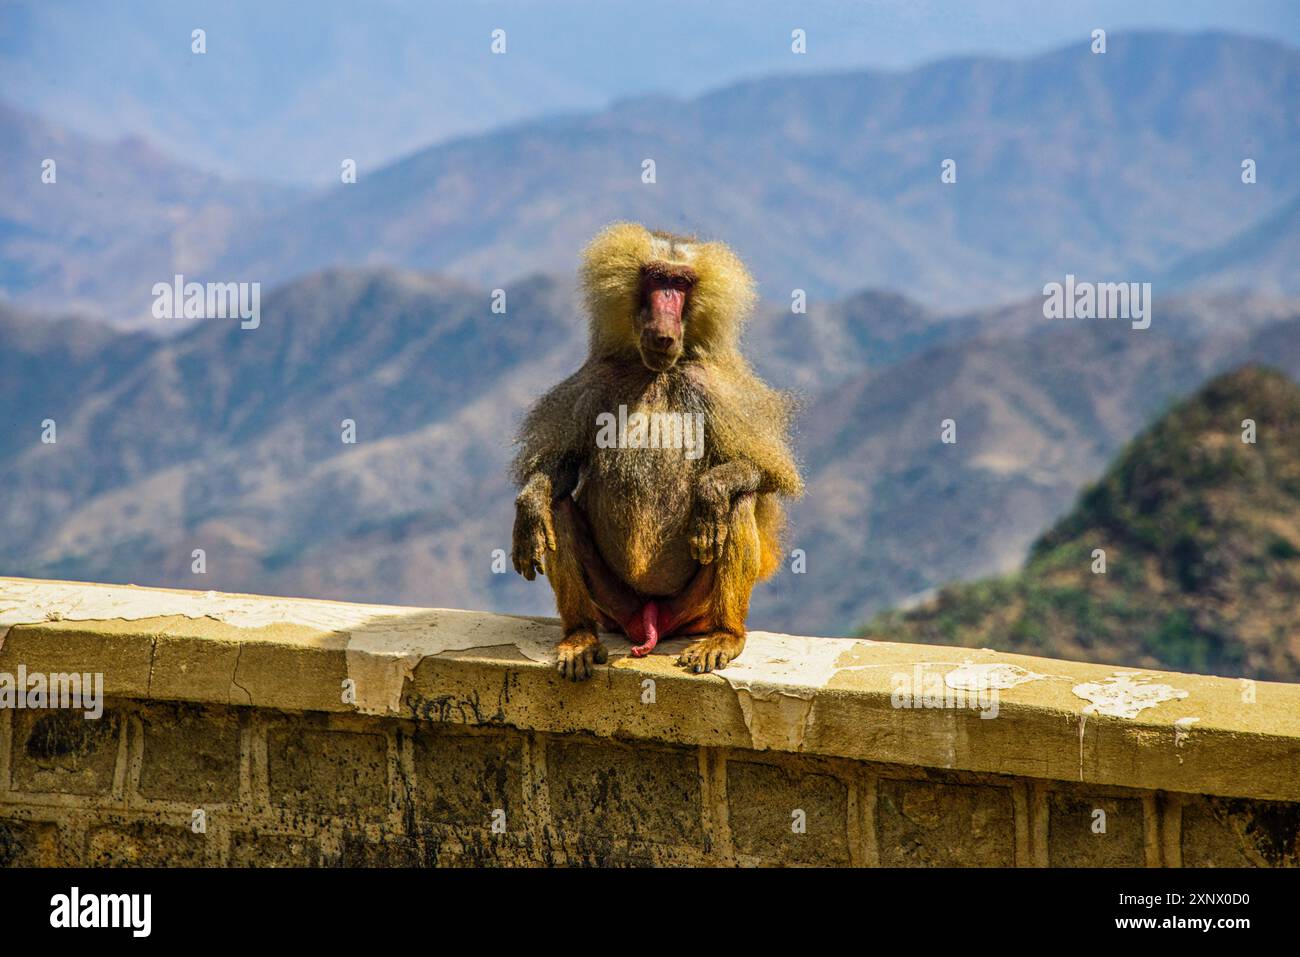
926,706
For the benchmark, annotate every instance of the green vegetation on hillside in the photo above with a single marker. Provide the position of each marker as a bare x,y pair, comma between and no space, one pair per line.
1201,534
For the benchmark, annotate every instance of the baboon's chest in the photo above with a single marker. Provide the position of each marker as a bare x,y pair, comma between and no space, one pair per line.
639,486
650,454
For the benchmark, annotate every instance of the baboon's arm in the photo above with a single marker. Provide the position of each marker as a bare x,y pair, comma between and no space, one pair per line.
547,465
546,486
557,429
716,492
534,531
750,424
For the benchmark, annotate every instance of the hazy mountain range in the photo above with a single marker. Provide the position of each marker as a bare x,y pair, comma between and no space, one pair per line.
116,218
230,440
377,310
283,96
1116,166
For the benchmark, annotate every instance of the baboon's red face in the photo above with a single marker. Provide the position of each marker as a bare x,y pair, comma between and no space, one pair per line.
665,300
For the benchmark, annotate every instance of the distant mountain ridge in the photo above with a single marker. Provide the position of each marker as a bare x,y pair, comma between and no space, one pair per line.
848,165
1109,167
92,232
230,440
1260,259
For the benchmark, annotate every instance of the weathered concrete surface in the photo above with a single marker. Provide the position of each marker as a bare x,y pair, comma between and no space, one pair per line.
322,732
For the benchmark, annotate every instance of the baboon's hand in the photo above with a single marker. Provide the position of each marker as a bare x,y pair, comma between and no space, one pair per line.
534,536
709,521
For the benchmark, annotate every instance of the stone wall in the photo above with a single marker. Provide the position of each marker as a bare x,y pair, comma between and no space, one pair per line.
239,730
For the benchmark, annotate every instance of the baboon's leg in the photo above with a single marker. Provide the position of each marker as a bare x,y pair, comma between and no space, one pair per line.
606,591
615,604
580,648
690,611
720,614
713,605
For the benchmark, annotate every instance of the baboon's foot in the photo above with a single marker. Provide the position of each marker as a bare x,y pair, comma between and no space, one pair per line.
712,652
577,654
